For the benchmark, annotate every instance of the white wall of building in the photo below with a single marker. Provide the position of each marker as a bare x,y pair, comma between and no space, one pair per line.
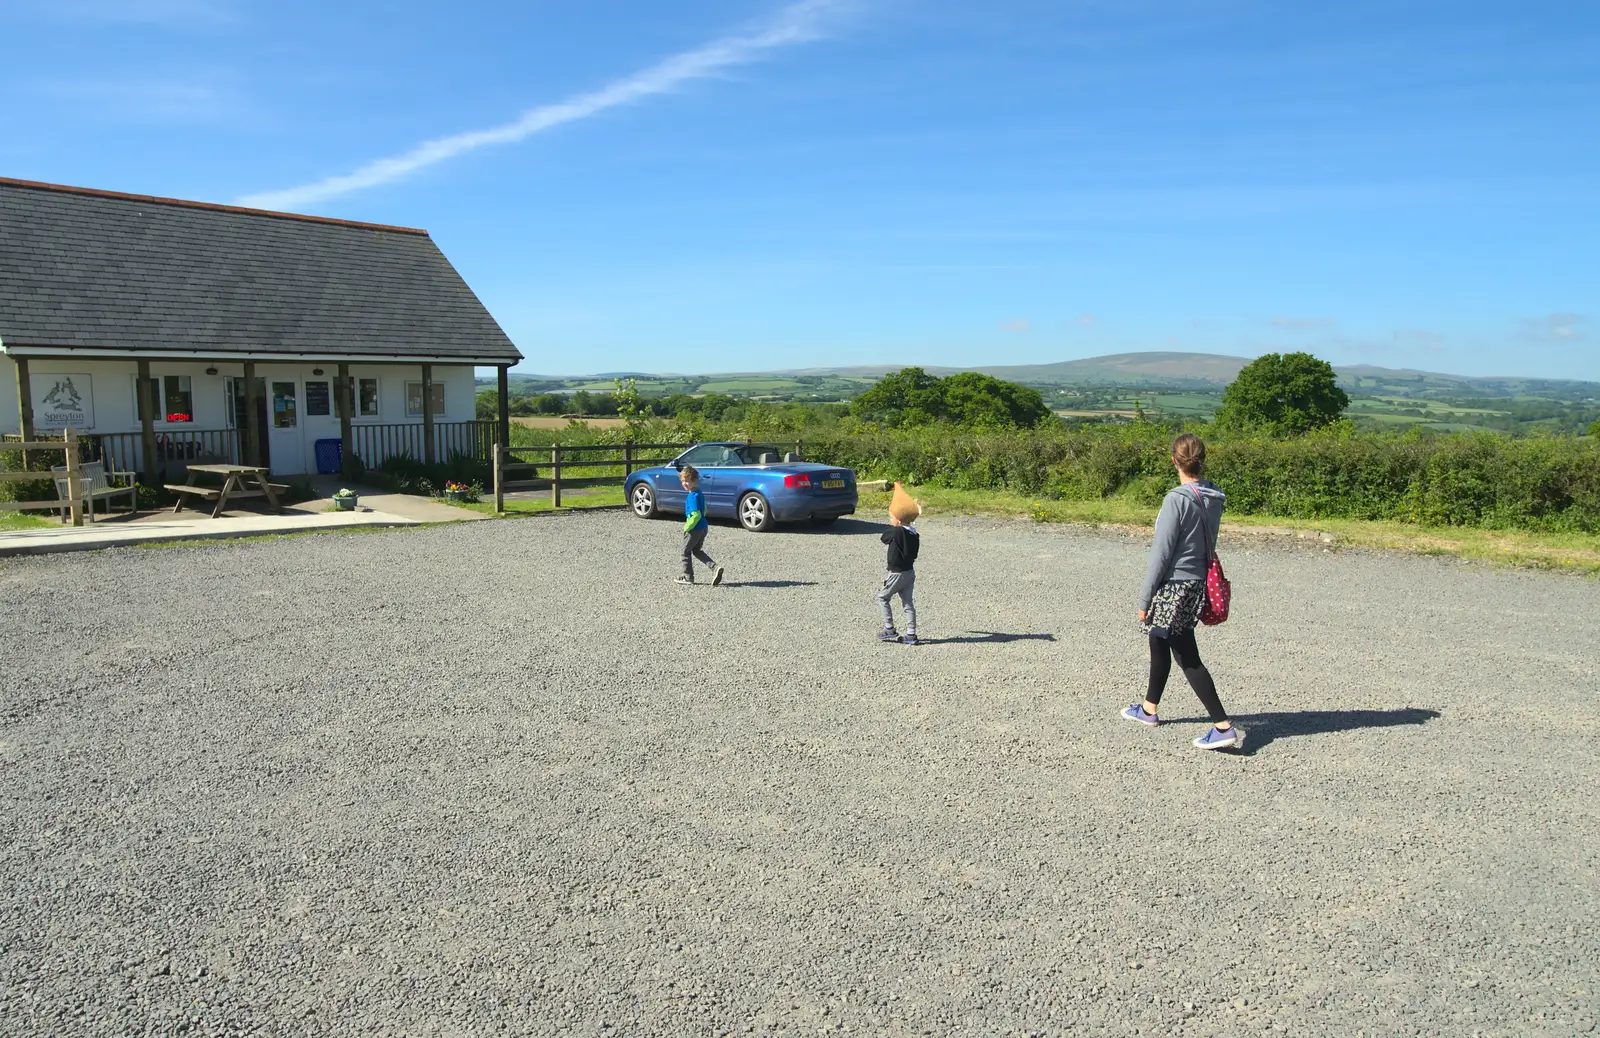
116,410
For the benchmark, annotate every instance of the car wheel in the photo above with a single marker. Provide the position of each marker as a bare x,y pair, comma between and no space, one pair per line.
643,500
754,514
824,520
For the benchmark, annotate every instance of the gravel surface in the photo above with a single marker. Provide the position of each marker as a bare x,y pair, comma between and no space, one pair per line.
508,778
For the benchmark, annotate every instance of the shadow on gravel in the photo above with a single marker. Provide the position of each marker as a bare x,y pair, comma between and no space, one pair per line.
769,583
841,526
1261,729
986,637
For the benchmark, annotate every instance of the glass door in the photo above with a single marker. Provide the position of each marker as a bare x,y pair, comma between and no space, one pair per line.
284,433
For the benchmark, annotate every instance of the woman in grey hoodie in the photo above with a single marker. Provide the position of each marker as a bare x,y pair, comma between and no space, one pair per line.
1174,590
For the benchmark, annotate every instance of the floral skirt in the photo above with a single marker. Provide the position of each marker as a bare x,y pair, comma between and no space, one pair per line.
1175,608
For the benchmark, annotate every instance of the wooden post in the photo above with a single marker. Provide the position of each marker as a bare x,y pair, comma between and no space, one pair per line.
74,483
427,414
499,480
148,402
252,404
627,461
24,403
505,404
346,408
555,476
800,449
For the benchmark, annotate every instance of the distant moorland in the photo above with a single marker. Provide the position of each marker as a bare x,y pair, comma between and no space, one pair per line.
1176,385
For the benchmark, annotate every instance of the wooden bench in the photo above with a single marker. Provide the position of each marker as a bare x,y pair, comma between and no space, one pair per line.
96,484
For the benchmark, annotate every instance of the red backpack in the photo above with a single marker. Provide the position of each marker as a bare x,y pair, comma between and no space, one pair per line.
1219,593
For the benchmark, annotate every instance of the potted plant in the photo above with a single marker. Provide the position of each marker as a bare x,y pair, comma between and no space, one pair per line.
458,493
345,500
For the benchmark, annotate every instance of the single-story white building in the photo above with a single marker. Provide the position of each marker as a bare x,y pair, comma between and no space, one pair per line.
167,330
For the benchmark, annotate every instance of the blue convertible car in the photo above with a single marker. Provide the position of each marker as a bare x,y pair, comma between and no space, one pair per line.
748,482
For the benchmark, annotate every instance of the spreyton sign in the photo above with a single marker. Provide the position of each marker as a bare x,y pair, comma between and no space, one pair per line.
60,401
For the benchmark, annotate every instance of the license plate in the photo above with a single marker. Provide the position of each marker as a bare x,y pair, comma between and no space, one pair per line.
829,484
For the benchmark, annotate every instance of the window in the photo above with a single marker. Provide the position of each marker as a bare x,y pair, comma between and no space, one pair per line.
172,396
710,455
367,397
284,413
414,399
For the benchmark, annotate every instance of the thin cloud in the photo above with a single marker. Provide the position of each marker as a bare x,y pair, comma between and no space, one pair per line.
1303,323
799,23
1086,320
1559,327
1020,325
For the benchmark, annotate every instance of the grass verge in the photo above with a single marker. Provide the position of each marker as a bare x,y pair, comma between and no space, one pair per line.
21,521
1570,552
609,497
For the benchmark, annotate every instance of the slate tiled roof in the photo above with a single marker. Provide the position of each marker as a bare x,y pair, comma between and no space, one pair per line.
101,270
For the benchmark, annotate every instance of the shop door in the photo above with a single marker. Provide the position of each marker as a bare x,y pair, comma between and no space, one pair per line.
317,420
284,433
240,405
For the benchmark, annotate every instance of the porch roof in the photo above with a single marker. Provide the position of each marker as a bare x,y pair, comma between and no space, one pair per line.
97,273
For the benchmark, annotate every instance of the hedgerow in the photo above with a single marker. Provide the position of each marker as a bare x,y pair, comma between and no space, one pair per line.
1465,479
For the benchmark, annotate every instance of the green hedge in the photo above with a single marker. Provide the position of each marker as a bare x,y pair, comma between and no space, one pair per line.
1466,479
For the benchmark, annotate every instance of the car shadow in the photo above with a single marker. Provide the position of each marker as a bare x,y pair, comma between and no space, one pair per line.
1264,729
986,638
769,583
843,526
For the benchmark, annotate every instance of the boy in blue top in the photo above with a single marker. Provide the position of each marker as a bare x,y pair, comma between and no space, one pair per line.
695,528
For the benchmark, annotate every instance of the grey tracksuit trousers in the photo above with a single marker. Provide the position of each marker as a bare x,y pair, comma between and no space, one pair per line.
693,548
899,584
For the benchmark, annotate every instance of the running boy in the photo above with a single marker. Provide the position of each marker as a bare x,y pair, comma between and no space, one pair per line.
695,527
904,542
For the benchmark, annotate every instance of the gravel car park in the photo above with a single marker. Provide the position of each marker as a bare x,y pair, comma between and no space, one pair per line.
503,777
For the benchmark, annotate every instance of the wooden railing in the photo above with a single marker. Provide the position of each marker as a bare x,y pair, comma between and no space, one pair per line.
175,449
607,456
374,444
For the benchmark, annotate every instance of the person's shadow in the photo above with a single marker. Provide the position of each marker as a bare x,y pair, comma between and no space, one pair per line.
986,638
769,583
1262,729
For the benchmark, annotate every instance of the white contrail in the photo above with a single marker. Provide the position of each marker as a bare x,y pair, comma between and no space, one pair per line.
798,23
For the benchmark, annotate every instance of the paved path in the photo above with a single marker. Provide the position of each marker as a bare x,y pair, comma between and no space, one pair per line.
184,527
506,777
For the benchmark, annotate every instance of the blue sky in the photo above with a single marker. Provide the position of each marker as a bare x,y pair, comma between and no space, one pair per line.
711,185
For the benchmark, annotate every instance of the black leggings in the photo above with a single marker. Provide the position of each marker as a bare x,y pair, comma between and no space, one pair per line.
1182,646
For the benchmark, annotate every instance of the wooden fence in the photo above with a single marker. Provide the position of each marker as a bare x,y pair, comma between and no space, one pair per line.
68,444
626,456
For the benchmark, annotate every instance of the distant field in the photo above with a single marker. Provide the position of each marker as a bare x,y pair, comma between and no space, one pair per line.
561,423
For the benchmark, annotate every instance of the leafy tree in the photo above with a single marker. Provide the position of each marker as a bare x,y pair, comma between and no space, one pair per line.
583,402
909,396
1282,393
549,403
488,405
984,401
1594,428
634,410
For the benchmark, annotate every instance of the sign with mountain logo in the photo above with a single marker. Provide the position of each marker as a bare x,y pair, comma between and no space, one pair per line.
62,400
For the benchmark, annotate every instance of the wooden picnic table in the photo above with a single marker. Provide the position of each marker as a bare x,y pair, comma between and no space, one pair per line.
236,480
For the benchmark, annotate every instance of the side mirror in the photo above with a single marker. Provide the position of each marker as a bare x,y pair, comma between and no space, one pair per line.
677,464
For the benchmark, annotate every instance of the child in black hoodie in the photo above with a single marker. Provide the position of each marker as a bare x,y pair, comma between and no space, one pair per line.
904,542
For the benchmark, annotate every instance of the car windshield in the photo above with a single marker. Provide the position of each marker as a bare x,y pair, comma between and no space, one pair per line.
761,454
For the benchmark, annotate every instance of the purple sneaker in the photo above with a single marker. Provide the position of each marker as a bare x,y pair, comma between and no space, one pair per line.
889,635
910,638
1217,739
1135,712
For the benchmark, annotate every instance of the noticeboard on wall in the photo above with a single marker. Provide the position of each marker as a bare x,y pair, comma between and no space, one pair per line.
317,399
62,400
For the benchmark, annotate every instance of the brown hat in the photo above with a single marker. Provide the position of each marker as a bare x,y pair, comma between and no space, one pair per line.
903,506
